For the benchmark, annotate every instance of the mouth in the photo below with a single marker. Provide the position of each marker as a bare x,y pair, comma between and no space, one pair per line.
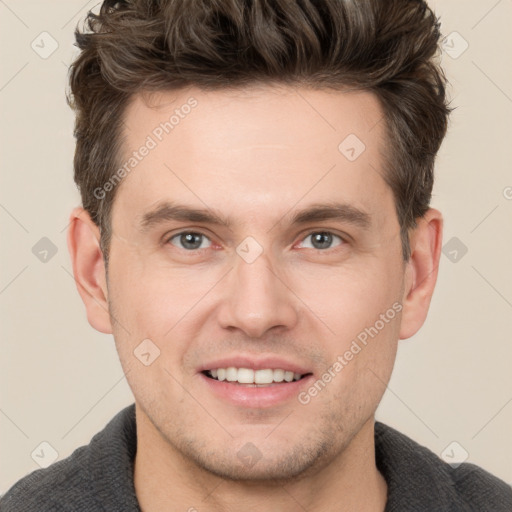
254,378
249,381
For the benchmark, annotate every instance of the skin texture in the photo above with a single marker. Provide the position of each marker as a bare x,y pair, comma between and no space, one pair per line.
256,156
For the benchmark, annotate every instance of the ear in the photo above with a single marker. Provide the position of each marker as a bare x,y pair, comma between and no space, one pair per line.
89,268
421,271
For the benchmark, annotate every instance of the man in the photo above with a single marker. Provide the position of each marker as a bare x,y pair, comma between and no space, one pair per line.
256,235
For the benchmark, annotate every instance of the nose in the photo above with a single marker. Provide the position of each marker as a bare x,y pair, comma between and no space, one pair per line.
257,299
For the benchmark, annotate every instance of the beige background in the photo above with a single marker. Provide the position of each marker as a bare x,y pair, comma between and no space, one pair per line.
61,380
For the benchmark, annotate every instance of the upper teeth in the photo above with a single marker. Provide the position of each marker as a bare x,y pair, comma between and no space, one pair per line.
248,376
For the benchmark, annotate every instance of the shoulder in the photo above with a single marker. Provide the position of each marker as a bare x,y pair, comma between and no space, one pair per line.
54,488
480,486
419,480
97,476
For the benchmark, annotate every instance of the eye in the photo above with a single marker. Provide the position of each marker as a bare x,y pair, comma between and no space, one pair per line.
322,240
190,240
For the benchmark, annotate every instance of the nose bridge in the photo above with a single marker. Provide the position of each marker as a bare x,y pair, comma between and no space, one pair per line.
257,298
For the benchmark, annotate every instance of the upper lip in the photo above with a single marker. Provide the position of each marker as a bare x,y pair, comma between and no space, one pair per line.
255,363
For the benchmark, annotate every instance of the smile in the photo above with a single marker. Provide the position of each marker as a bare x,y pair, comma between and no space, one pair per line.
250,377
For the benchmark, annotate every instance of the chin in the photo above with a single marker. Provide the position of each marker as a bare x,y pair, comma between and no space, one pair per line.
250,464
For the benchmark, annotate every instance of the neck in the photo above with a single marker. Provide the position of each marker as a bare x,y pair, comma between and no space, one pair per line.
165,481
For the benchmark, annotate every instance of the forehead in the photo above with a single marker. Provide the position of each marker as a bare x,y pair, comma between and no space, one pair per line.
253,149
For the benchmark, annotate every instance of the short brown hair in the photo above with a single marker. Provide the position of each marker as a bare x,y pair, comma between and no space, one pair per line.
387,47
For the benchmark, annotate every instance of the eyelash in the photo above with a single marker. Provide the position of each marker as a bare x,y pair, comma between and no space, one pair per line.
334,235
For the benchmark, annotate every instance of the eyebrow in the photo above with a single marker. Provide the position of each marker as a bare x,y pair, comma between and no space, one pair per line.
167,211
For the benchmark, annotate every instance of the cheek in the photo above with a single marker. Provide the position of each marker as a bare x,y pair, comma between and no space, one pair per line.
361,311
151,299
350,298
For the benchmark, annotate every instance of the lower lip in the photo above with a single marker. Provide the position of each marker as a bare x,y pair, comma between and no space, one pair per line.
256,397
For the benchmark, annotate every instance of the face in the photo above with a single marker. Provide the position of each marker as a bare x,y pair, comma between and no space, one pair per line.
250,236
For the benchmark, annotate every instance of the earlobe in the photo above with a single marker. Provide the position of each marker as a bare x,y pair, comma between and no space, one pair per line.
421,271
89,268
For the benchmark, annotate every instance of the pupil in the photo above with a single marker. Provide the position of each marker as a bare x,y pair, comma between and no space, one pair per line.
322,240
